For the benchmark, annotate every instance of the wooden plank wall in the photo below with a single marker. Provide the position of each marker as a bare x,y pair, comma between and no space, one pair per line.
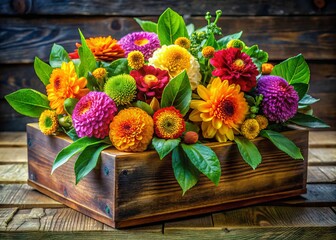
28,28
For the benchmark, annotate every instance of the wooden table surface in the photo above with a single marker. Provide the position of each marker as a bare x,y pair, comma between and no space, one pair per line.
27,214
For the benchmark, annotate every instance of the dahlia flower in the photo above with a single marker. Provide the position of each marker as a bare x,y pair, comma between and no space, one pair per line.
222,109
235,66
250,128
93,114
48,122
145,42
131,130
175,59
150,82
280,101
168,123
63,84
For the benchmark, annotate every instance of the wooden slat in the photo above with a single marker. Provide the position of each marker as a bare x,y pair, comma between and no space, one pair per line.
6,215
10,155
24,196
153,7
13,139
322,156
321,174
322,139
199,222
13,173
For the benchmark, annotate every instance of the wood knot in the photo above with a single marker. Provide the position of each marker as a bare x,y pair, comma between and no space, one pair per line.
115,25
21,6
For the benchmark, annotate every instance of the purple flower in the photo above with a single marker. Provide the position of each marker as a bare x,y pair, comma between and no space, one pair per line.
93,114
145,42
280,101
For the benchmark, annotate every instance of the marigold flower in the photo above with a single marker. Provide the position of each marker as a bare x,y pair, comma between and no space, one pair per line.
208,52
131,130
93,114
235,66
175,59
63,84
235,43
266,68
183,42
48,122
135,60
168,123
99,73
222,109
262,120
121,88
145,42
250,128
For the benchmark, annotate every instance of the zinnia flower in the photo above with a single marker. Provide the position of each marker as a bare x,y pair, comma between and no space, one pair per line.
48,122
145,42
93,114
250,128
175,59
280,101
168,123
150,82
135,60
222,109
63,84
131,130
235,66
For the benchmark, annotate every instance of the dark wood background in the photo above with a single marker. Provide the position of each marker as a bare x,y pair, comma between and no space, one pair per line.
28,28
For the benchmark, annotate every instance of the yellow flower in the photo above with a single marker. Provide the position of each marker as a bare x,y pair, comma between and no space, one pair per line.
63,84
183,42
131,130
136,60
208,52
222,109
99,73
175,59
266,68
235,43
262,120
250,128
48,122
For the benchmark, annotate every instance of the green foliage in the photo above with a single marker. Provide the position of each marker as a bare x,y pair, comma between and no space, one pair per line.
70,104
258,56
301,89
147,26
42,70
144,106
28,102
163,146
119,66
224,40
248,151
58,55
308,100
308,121
87,59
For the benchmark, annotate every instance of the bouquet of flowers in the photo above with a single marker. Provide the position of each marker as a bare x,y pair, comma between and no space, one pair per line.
169,88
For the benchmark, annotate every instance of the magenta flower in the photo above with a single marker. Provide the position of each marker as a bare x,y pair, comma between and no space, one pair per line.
93,114
280,101
145,42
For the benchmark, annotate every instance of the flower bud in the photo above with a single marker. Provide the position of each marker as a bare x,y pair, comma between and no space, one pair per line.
190,137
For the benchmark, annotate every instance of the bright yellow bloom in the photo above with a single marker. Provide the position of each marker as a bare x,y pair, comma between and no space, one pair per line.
63,84
99,73
131,130
208,52
222,109
262,120
183,42
136,60
48,122
266,68
250,128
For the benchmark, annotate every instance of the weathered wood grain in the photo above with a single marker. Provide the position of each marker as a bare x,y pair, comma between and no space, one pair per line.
322,156
6,215
152,7
322,139
13,173
13,139
321,174
10,155
196,222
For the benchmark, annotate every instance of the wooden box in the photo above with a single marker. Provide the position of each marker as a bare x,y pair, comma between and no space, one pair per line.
129,189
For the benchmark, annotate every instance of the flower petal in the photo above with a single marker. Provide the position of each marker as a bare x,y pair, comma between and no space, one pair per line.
216,123
207,130
206,117
195,103
203,92
195,116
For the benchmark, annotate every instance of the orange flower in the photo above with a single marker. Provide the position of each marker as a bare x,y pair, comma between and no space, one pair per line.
131,130
222,110
105,48
63,84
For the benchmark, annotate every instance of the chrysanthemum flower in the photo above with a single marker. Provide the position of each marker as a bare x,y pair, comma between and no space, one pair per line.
135,60
105,49
280,101
93,114
121,88
183,42
263,121
63,84
99,73
150,82
250,128
222,109
175,59
131,130
168,123
48,122
235,66
145,42
208,52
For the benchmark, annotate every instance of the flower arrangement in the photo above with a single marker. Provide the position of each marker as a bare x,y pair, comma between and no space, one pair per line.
169,88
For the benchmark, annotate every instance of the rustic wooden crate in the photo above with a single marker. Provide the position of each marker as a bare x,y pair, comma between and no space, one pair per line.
129,189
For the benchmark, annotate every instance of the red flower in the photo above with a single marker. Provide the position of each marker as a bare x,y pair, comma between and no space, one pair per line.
74,55
150,82
235,66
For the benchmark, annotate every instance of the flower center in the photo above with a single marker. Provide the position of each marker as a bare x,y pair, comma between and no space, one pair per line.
150,79
48,122
57,83
225,109
85,108
239,64
141,42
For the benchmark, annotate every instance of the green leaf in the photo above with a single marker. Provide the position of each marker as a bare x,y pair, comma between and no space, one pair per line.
144,106
170,27
88,160
258,56
177,93
147,26
116,67
294,70
204,159
223,41
58,55
70,104
42,70
87,59
308,100
72,134
190,28
192,127
163,146
28,102
185,172
211,41
78,146
248,151
282,143
308,121
301,89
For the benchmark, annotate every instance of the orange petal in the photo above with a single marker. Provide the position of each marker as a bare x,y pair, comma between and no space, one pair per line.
204,107
206,117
